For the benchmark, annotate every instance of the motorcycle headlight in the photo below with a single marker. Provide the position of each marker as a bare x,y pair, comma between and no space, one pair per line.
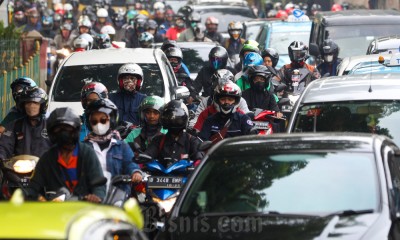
24,166
166,204
111,229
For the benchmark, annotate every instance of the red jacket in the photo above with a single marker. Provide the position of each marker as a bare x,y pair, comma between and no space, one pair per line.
173,33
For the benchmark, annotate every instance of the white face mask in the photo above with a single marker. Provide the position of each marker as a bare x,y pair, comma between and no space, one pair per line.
328,58
101,129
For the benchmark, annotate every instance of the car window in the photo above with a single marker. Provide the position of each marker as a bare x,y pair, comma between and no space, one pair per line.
195,58
284,182
380,117
71,79
252,31
281,40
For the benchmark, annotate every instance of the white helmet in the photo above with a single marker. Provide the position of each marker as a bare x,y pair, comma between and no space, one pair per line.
89,38
159,6
68,7
84,21
81,42
108,29
102,12
132,69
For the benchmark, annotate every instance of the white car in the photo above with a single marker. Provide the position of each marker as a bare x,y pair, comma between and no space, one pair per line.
102,66
350,63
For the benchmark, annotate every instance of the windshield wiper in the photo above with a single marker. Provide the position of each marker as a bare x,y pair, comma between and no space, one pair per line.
349,212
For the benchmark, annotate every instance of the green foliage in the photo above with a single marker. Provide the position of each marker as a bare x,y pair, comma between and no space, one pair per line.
10,32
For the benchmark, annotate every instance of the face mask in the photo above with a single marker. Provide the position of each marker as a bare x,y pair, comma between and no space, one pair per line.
329,58
101,129
176,66
175,131
226,108
66,138
259,86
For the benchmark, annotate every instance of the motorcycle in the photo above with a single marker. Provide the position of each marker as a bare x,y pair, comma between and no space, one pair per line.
17,171
264,121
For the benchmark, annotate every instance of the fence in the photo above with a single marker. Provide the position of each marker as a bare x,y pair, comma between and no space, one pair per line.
13,68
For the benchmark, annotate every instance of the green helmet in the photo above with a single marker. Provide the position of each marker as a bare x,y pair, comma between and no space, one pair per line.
153,102
249,46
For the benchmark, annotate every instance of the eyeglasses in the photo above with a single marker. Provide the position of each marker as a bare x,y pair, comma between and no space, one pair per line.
102,121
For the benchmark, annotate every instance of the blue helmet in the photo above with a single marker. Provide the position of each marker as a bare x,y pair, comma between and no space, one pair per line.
252,59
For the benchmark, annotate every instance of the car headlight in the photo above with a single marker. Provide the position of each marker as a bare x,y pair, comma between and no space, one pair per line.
24,166
166,204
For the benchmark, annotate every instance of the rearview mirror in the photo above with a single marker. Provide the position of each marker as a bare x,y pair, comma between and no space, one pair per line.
182,92
48,83
314,50
143,158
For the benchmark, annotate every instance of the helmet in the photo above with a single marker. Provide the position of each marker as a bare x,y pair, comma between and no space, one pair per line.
146,40
102,13
174,52
158,6
199,31
151,24
272,53
103,105
167,44
298,51
221,77
81,43
131,14
108,29
66,26
330,50
139,24
21,82
235,29
249,46
68,7
130,69
97,4
34,94
179,16
336,7
63,116
93,87
118,19
85,22
47,22
212,20
174,115
68,16
103,41
212,24
218,57
229,89
89,38
195,17
259,70
281,14
150,102
252,59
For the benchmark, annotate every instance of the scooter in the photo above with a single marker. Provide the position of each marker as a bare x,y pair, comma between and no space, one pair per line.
264,120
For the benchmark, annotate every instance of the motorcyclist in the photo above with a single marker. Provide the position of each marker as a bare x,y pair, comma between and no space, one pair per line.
172,43
227,122
178,27
251,59
248,47
146,40
68,163
118,21
150,111
65,37
33,22
189,33
199,34
115,155
47,27
128,98
102,19
270,57
167,24
102,41
291,75
19,17
132,34
90,92
329,52
152,28
27,135
211,30
234,43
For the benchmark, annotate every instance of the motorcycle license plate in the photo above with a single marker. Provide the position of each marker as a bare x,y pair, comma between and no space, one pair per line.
164,182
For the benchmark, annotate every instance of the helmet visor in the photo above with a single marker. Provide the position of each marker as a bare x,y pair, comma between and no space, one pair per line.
216,63
299,55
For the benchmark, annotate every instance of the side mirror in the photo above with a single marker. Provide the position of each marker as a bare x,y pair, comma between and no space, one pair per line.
314,50
182,92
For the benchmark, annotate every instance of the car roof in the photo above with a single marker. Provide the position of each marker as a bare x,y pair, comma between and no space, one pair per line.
217,6
194,45
354,60
358,17
356,142
388,42
284,26
112,56
353,87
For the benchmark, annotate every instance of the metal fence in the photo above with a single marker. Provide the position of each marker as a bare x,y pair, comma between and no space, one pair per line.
10,51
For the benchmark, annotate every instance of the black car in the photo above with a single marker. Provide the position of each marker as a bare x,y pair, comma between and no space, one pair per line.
299,186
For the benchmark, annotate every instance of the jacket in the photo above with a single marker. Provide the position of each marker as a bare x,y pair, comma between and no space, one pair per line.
263,100
128,105
139,136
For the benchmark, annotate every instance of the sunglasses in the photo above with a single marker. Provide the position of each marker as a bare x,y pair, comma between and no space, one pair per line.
102,121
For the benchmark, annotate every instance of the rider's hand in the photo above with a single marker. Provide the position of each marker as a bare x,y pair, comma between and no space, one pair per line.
136,177
190,100
92,198
42,199
279,114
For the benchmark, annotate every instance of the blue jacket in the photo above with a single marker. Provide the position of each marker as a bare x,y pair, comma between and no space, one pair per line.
128,105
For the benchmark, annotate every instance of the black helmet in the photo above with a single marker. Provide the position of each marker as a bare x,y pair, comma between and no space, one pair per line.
272,53
63,116
298,51
329,47
146,40
139,24
195,17
151,24
21,83
34,94
218,57
105,106
93,87
174,115
262,71
167,44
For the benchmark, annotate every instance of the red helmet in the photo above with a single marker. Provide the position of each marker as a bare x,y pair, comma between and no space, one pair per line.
281,14
336,7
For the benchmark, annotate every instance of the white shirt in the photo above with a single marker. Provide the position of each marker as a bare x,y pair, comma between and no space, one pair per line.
102,156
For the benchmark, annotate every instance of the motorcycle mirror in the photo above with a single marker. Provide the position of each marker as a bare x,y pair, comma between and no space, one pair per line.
135,146
48,83
205,145
143,158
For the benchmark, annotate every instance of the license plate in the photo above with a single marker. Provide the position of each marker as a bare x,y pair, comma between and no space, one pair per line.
164,182
25,181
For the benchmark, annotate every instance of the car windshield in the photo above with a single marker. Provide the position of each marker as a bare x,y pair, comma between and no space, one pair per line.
354,41
73,78
304,183
281,40
252,31
195,58
380,117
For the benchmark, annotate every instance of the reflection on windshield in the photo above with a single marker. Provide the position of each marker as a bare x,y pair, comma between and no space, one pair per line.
195,58
72,78
281,40
380,117
287,183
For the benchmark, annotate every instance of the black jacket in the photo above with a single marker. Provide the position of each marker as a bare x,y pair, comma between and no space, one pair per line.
263,100
203,80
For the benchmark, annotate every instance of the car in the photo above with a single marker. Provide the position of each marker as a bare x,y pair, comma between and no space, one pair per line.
388,66
102,66
349,63
351,103
280,34
389,44
251,28
297,186
352,30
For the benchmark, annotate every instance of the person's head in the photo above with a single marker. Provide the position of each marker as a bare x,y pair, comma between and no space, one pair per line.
130,77
103,41
251,59
218,58
130,15
102,15
47,22
169,15
146,40
18,85
175,56
150,110
139,24
109,30
80,44
89,38
220,77
19,17
235,29
57,19
159,10
179,20
151,26
33,101
298,52
199,31
92,92
68,17
194,19
63,128
329,51
227,98
259,77
33,17
118,19
101,116
174,116
212,24
248,47
168,44
66,29
270,57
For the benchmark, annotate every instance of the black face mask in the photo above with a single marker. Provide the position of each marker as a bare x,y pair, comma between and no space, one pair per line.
66,138
259,86
226,108
175,131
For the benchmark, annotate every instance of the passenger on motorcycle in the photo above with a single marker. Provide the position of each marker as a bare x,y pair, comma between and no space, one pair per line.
298,74
128,98
115,155
234,43
68,163
172,43
177,144
211,30
248,47
146,40
329,52
90,92
251,59
227,122
270,57
27,135
150,110
176,29
151,27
